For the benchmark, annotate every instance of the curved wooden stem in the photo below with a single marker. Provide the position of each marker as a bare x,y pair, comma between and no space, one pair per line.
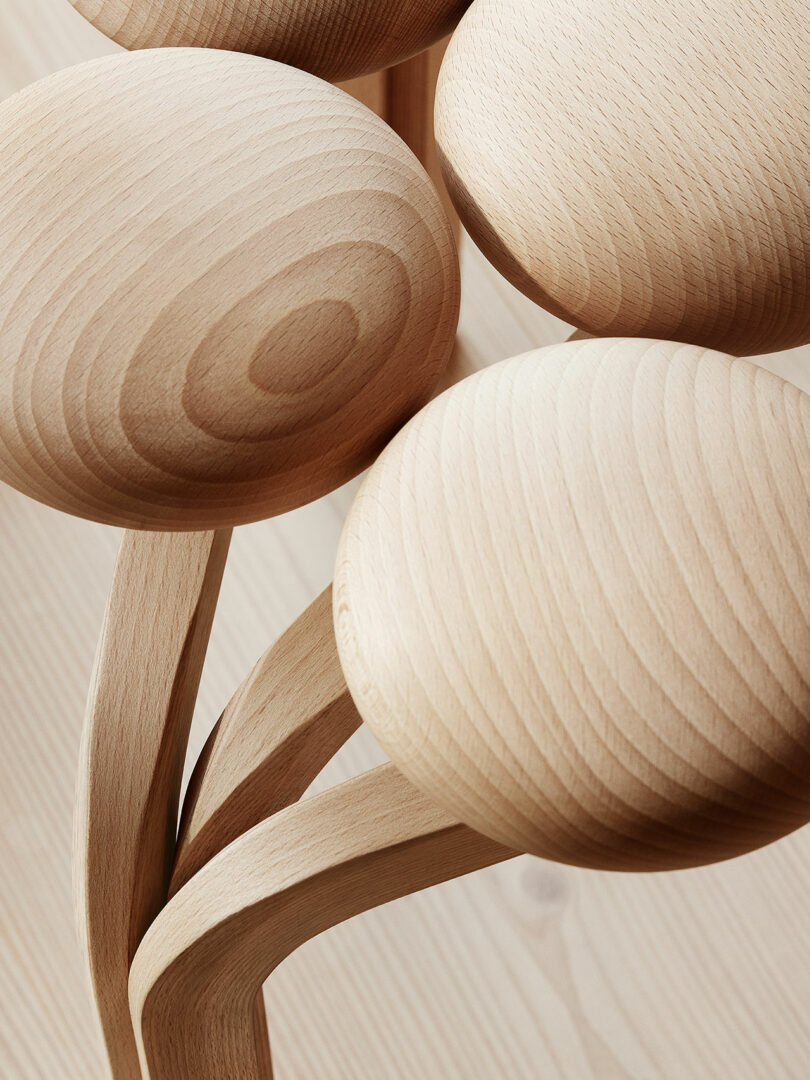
287,720
201,965
145,681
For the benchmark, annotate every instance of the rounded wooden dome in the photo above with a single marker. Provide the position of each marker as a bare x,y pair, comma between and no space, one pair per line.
335,39
225,284
572,601
639,168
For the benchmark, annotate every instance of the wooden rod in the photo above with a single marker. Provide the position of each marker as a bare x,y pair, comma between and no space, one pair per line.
199,970
144,687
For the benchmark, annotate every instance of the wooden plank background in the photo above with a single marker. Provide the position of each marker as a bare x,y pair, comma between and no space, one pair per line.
529,971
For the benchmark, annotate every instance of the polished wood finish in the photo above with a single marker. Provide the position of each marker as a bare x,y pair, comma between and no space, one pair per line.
198,972
294,262
145,682
639,168
410,108
702,973
699,973
335,39
284,723
404,96
572,604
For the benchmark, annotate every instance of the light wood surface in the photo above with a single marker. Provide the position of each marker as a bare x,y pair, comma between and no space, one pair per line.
404,96
335,39
529,969
410,109
295,262
641,168
142,697
572,604
284,723
201,965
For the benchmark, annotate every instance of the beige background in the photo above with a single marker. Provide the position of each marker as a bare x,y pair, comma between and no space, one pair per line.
528,971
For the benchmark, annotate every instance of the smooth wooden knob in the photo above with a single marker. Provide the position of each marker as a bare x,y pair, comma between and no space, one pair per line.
224,285
572,601
638,168
335,39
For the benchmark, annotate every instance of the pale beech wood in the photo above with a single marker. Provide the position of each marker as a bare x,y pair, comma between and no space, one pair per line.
370,90
695,974
294,262
334,39
286,721
144,686
573,604
404,96
642,168
200,967
283,724
593,976
411,99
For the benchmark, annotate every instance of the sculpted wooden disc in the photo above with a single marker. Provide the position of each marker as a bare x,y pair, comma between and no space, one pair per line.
639,168
224,285
572,601
335,39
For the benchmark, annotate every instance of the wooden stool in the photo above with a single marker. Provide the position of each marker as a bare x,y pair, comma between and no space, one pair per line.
570,598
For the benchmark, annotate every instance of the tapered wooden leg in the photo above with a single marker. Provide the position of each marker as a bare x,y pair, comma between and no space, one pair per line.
284,723
145,682
198,972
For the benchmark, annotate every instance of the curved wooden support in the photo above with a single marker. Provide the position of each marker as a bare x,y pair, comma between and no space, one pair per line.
200,967
145,682
284,723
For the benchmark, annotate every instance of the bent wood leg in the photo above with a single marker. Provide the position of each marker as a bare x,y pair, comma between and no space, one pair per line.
145,681
200,967
284,723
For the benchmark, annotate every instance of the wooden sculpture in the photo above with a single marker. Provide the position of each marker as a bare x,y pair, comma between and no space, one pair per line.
598,653
225,285
638,168
202,330
145,682
195,985
335,39
572,603
571,598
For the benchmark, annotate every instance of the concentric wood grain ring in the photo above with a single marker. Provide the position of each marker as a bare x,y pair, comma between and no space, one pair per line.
224,285
573,603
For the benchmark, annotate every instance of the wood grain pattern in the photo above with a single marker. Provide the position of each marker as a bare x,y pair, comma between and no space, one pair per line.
410,107
144,686
334,39
295,262
573,605
404,96
201,965
638,169
284,723
529,968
